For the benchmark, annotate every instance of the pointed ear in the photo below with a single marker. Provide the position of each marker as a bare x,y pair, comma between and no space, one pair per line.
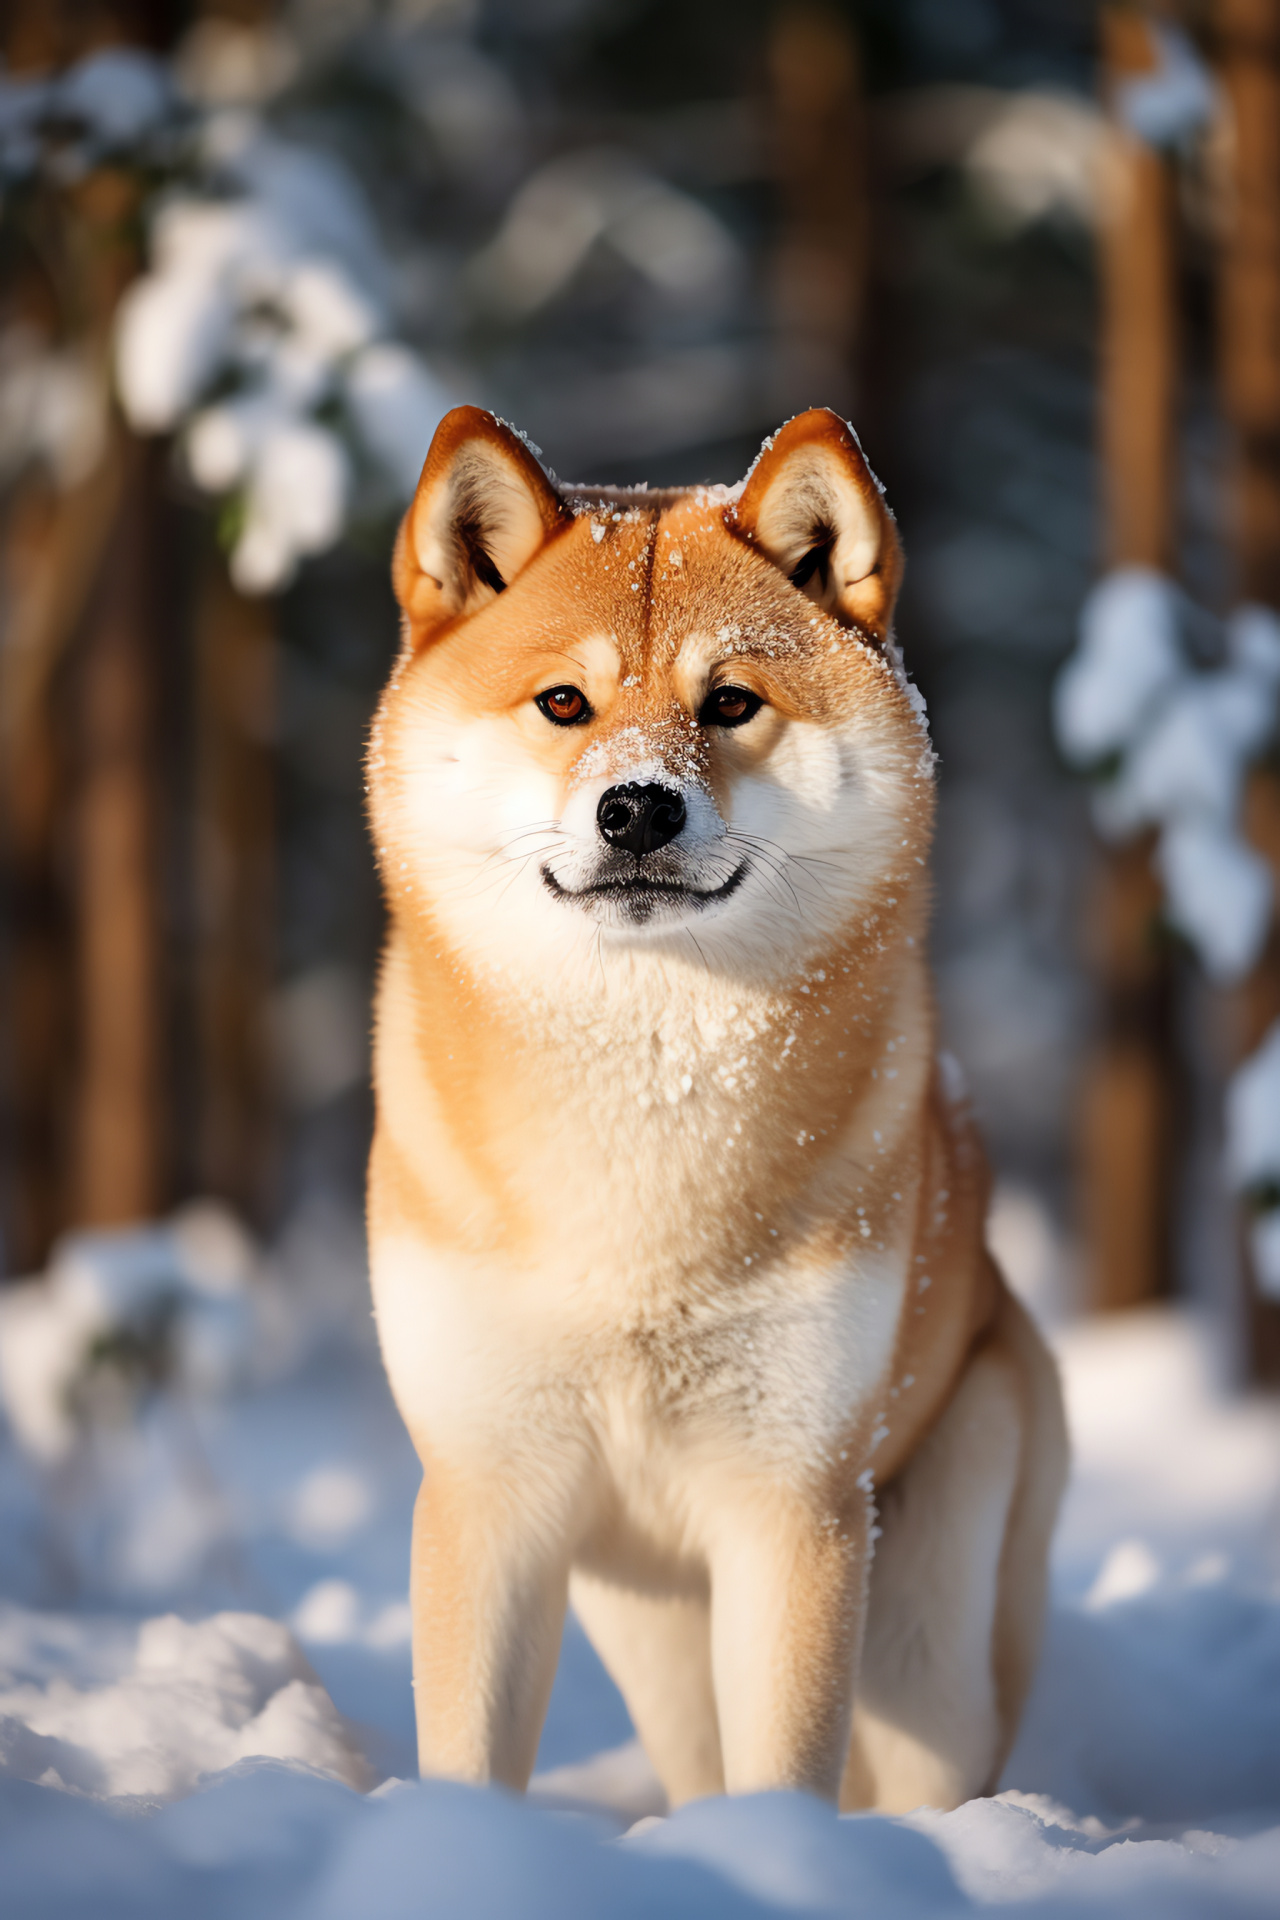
813,506
483,508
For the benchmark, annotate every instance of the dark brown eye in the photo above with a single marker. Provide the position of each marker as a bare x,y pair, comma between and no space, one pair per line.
565,705
729,707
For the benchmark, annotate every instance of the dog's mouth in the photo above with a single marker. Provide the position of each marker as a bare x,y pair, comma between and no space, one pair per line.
639,895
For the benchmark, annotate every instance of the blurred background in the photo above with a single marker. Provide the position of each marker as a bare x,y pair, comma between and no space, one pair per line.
249,255
251,252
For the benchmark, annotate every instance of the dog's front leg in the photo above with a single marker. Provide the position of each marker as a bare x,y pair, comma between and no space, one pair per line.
488,1588
788,1598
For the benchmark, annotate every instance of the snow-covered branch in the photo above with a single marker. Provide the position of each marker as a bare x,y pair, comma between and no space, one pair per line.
1167,745
260,333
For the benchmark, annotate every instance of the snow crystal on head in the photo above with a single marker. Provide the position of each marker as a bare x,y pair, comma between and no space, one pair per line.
667,750
716,494
531,444
892,654
767,445
641,501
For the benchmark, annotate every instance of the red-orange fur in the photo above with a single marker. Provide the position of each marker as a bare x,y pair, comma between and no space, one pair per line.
633,1184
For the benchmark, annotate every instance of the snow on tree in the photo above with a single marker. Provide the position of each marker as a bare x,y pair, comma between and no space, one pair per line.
1167,745
1253,1154
260,333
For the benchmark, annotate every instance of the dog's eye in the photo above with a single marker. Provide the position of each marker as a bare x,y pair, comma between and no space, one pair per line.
729,707
565,705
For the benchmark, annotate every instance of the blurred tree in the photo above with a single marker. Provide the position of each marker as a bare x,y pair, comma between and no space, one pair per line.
232,800
81,657
641,232
233,701
1128,1089
819,158
1171,707
137,802
1248,46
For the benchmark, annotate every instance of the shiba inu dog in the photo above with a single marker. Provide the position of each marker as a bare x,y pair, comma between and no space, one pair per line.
676,1222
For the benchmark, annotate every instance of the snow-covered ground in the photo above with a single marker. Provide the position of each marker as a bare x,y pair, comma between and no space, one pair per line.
205,1705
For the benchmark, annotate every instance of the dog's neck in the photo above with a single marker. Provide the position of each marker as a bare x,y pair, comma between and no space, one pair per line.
641,1032
669,1093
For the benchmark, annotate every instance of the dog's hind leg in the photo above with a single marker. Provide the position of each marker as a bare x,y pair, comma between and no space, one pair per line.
1024,1565
957,1584
658,1650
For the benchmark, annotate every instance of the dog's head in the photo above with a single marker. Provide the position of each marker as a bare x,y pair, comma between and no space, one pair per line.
627,720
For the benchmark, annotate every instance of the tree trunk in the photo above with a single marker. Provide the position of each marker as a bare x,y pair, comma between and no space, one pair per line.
1127,1102
121,1131
1249,382
235,879
820,165
1128,1095
81,684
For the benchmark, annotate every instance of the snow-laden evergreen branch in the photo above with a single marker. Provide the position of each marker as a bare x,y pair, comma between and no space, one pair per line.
1167,745
260,332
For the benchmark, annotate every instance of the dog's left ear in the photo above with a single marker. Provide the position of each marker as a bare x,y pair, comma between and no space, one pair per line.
482,510
814,507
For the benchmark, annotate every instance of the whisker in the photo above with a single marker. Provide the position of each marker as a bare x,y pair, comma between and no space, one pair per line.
486,875
539,826
781,857
698,950
803,859
772,862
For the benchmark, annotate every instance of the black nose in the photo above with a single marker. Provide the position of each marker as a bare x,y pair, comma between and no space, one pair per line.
638,819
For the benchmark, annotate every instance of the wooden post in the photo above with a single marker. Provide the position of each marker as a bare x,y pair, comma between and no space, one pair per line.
820,165
1128,1092
1248,35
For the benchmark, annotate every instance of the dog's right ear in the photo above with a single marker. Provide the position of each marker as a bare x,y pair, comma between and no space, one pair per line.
483,508
812,505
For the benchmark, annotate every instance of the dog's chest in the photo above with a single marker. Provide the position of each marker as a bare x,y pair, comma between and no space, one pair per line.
669,1271
682,1143
780,1386
781,1365
777,1365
